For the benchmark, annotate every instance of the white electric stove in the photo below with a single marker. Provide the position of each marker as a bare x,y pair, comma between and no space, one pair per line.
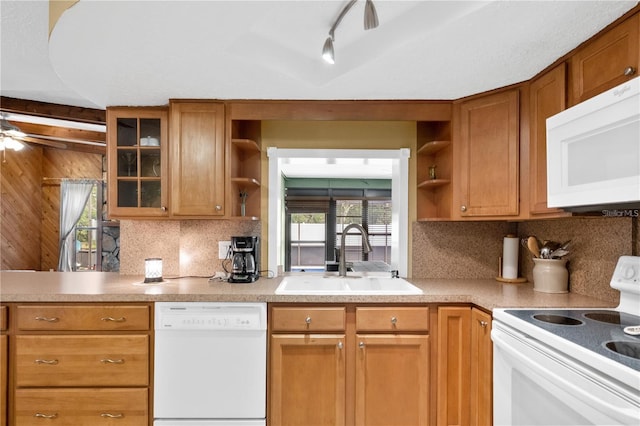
570,366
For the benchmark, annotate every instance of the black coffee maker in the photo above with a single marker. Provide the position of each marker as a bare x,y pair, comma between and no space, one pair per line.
245,259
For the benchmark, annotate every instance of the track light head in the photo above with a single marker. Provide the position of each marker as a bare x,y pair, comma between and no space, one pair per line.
370,16
327,51
370,22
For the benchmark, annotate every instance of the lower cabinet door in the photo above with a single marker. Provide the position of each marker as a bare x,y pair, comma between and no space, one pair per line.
307,380
481,369
392,380
77,406
4,355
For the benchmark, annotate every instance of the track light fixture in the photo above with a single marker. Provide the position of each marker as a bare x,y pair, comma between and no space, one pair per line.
370,22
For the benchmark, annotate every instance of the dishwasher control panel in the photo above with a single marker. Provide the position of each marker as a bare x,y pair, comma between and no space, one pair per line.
210,316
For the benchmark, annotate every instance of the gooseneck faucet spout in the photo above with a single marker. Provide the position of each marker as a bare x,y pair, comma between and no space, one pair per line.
366,246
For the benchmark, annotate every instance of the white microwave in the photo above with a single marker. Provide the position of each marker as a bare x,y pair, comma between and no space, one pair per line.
593,152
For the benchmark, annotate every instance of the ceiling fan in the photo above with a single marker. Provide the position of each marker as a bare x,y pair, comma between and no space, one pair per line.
11,136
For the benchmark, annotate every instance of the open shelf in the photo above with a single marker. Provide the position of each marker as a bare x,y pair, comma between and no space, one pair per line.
245,170
432,147
434,170
433,183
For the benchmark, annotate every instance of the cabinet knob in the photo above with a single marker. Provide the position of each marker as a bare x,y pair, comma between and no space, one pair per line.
340,345
47,319
361,345
307,320
463,208
218,207
483,324
163,208
394,320
46,416
629,71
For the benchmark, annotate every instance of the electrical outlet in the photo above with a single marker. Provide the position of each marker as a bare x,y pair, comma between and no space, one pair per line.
223,249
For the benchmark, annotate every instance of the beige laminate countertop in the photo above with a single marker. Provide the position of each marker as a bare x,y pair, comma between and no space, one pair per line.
113,287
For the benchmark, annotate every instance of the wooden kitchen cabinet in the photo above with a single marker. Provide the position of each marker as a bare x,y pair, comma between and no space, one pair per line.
606,61
464,366
392,366
245,169
73,407
337,365
434,170
307,379
453,365
4,365
82,364
197,159
137,140
307,369
481,384
487,154
547,98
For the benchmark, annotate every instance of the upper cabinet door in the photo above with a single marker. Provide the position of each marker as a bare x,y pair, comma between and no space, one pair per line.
488,156
137,162
197,159
608,60
547,98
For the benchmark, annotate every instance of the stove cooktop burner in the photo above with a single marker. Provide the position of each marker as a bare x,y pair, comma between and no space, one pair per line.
604,316
598,330
630,349
557,319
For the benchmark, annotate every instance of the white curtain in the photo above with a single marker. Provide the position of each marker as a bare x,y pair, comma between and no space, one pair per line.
73,198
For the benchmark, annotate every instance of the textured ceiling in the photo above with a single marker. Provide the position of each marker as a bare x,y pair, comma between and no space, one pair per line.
105,53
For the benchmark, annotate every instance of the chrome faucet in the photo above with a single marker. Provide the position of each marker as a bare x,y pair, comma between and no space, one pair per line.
366,246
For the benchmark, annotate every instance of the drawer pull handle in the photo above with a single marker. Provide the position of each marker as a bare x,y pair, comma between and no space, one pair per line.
112,361
47,361
112,416
48,319
307,320
394,320
112,319
46,416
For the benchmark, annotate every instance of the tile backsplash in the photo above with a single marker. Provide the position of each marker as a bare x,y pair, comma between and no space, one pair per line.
187,247
446,250
472,249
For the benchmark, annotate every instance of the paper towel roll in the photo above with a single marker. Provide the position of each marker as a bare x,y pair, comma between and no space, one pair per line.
510,248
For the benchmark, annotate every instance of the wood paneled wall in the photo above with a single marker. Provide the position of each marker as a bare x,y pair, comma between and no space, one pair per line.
30,203
20,208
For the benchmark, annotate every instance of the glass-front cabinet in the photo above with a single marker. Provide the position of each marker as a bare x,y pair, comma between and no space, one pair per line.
137,162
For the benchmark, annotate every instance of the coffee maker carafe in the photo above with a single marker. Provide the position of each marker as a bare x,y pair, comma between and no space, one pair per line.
245,259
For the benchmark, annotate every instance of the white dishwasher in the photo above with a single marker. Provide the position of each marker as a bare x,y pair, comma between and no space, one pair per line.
210,364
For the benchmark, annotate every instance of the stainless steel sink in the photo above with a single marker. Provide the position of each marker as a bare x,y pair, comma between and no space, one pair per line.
350,285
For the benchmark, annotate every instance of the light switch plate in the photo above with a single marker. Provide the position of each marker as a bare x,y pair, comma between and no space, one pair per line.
223,249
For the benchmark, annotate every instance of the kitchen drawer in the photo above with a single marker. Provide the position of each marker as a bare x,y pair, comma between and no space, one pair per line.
4,318
308,319
73,407
105,360
79,318
392,319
